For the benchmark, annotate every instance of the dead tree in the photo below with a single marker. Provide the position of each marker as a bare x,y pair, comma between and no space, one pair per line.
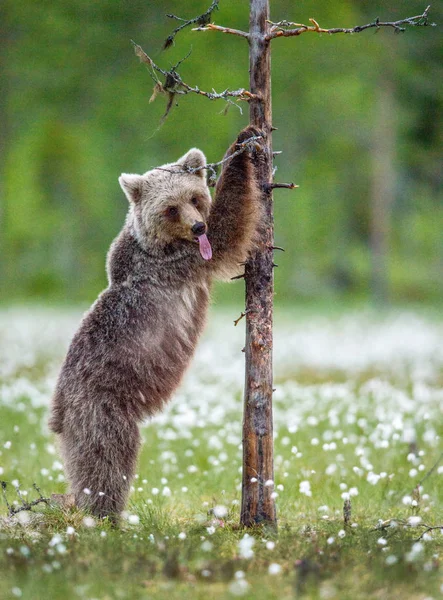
258,505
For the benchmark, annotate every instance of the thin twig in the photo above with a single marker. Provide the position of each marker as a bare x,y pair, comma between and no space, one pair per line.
347,512
212,167
5,498
280,29
25,505
384,525
174,85
203,19
242,314
213,27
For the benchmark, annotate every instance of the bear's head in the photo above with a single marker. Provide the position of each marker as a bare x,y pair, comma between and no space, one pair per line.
171,203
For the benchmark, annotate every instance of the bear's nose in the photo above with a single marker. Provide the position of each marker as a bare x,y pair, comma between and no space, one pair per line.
198,228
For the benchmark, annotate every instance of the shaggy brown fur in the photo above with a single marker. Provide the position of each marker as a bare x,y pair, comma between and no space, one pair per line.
138,338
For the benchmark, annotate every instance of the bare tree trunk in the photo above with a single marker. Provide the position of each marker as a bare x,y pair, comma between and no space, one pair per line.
258,505
383,188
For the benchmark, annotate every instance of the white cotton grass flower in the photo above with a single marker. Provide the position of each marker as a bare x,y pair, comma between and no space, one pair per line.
305,488
56,539
133,519
342,533
270,545
182,535
245,546
220,511
89,522
415,553
70,530
414,520
23,517
382,541
391,559
239,587
274,569
206,546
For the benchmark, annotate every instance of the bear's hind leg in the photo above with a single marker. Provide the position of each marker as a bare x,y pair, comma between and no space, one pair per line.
100,463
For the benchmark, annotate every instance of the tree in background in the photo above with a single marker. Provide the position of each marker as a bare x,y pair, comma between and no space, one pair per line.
74,112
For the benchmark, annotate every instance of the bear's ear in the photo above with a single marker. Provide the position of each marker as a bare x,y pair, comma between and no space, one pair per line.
192,159
132,186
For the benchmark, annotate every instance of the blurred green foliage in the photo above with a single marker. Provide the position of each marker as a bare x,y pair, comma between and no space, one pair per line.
75,113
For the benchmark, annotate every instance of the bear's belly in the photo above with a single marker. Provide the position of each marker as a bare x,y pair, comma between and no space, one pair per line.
168,351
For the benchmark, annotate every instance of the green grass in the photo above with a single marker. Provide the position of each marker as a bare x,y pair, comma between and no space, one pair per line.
358,405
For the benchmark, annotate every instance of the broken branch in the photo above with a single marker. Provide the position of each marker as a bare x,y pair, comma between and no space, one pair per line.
202,20
280,29
213,27
25,505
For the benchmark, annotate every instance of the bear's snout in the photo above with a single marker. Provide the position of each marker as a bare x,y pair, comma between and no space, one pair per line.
198,228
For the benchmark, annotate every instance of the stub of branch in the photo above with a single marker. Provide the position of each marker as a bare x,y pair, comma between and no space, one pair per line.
201,20
347,512
273,186
242,315
213,27
290,29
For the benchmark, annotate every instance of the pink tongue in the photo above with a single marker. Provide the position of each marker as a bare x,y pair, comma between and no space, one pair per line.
204,247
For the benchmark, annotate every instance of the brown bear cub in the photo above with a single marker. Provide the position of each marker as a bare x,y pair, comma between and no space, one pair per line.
135,343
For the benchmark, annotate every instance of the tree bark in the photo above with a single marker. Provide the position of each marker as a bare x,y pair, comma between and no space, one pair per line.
383,189
258,505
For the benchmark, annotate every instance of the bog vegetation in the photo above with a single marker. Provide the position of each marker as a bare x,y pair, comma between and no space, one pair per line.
358,418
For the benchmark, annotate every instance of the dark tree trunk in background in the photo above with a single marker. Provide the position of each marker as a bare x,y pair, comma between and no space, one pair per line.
383,189
258,505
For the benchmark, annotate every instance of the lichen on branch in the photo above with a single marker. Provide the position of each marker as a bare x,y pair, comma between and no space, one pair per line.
173,84
249,144
289,29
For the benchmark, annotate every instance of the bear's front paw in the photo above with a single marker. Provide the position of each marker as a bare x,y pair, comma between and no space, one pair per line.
251,132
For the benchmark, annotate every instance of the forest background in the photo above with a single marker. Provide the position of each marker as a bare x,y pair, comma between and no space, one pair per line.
359,122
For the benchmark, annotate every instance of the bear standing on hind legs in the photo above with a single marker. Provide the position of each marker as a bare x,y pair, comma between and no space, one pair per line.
138,338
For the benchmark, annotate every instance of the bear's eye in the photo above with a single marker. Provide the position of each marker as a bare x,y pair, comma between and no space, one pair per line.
171,211
194,201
